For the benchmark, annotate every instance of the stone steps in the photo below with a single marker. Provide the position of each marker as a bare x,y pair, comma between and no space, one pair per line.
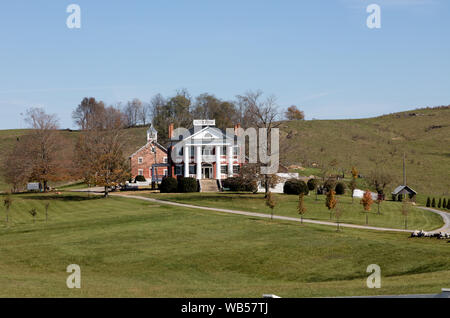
209,186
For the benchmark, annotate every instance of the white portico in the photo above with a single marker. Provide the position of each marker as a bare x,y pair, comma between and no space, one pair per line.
206,153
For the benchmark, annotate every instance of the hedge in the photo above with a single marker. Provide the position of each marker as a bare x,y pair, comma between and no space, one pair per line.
168,185
239,184
139,179
186,185
295,186
340,188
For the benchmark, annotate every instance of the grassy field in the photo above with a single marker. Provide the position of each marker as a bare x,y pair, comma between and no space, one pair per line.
132,248
422,134
390,215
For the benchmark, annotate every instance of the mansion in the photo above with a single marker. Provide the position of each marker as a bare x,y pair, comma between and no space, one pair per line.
203,152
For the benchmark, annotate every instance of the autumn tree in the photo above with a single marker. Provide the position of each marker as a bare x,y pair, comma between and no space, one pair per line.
40,155
352,184
271,203
208,106
99,152
89,113
367,201
16,166
301,209
331,201
175,110
293,113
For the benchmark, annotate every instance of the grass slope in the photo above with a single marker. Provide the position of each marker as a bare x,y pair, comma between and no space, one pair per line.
424,135
390,215
132,248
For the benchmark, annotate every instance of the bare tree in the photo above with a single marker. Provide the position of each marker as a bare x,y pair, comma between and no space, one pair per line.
260,114
133,112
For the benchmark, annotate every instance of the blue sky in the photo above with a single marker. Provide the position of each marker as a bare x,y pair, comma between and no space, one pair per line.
318,54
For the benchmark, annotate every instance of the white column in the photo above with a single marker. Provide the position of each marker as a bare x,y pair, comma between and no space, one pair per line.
198,159
186,161
230,160
218,165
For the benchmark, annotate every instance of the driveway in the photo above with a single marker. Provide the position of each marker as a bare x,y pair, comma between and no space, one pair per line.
261,215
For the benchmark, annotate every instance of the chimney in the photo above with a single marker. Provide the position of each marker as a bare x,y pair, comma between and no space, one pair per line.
236,127
170,131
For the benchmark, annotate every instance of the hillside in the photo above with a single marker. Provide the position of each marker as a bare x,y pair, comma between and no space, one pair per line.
423,134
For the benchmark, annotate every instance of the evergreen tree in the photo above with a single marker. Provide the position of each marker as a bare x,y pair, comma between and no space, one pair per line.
440,203
448,204
433,203
428,202
444,203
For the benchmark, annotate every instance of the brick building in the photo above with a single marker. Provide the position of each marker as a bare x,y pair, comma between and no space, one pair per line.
150,160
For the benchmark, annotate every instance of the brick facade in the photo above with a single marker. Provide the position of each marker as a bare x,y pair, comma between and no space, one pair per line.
148,157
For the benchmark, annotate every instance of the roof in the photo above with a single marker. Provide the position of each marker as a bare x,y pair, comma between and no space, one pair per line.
403,189
150,142
214,131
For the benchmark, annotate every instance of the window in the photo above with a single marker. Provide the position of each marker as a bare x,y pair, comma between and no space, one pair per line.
140,160
235,151
224,150
224,169
236,169
165,172
191,169
165,159
207,150
178,170
140,172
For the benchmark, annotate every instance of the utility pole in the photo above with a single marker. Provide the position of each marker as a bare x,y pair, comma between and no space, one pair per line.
404,170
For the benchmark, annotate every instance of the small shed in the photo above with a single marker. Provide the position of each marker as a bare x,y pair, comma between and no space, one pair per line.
403,190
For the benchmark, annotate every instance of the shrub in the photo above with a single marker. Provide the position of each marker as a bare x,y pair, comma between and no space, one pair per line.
428,202
186,185
295,186
340,188
139,179
329,185
168,185
239,184
312,184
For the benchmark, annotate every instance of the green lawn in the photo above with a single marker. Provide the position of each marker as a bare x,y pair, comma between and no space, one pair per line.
132,248
390,216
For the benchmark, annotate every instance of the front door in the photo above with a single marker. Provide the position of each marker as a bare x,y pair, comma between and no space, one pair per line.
207,172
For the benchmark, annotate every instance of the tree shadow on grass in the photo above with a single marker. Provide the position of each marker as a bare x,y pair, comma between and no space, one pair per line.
70,197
